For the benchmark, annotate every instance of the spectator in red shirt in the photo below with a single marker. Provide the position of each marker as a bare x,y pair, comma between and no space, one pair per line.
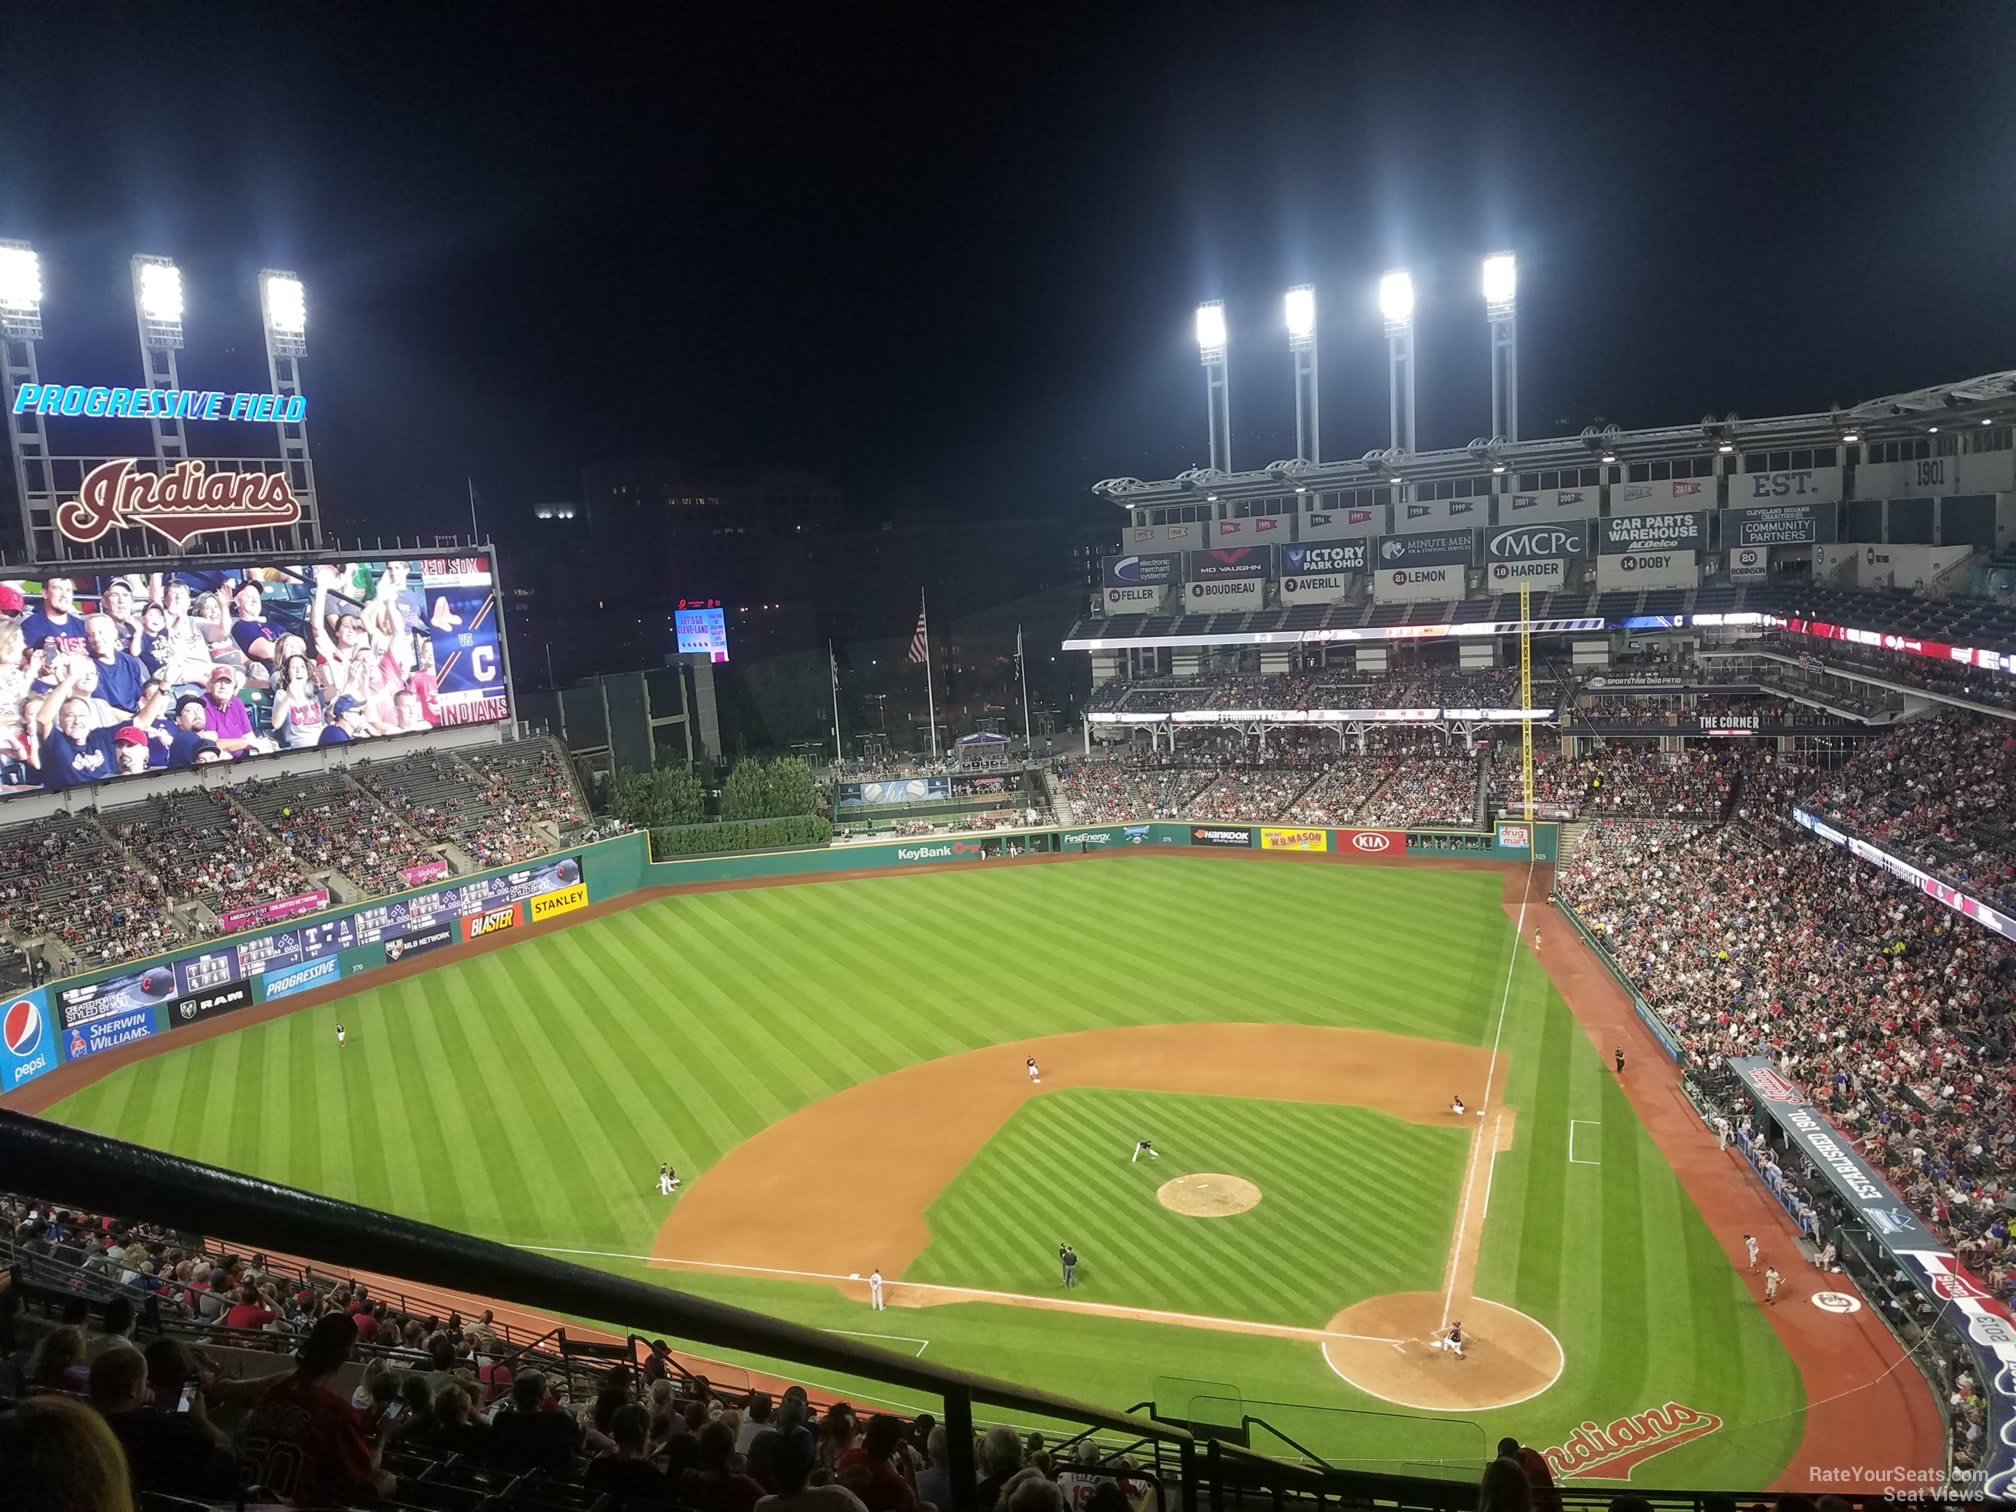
250,1311
305,1443
1545,1497
869,1469
367,1320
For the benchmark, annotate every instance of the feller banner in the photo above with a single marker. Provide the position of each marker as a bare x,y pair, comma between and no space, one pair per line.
1295,839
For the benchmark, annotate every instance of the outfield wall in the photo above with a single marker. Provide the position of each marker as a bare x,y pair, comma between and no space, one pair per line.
100,1010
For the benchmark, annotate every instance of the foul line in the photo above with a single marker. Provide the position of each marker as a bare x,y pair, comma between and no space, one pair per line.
852,1333
980,1294
1572,1157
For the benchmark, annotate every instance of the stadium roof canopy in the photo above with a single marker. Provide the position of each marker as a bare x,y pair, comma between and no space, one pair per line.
1990,398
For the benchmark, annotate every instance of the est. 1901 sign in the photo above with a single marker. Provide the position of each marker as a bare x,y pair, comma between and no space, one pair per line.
188,501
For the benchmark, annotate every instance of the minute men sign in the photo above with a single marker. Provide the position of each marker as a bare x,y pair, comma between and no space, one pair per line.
1655,532
1430,548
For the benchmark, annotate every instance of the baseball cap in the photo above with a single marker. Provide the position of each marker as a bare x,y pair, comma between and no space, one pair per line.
130,735
11,601
222,669
345,705
187,699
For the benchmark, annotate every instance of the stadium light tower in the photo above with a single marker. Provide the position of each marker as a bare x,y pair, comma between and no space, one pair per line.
1217,381
157,306
1301,310
1501,289
1396,304
27,435
283,311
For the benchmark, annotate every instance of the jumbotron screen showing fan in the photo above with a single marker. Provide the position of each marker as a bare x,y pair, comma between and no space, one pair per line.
122,673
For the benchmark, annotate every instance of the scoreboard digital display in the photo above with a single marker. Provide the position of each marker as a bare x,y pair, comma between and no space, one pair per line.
702,628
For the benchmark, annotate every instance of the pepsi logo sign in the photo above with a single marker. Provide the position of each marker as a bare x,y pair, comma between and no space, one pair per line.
21,1030
1371,842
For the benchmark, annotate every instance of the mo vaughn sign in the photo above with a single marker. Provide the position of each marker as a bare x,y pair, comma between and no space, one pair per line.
179,505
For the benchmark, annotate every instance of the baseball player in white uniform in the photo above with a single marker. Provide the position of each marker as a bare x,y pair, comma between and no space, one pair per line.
1144,1147
1771,1280
1750,1244
1456,1105
339,1036
1450,1338
1034,1074
875,1289
667,1182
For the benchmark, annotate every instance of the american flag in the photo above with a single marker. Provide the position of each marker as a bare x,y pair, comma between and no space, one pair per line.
920,643
834,662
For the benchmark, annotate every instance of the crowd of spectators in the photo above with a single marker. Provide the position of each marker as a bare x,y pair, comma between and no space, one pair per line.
330,824
1619,779
1940,790
1418,687
1893,1012
499,807
452,1401
60,879
1434,791
204,847
1250,792
1103,792
1955,679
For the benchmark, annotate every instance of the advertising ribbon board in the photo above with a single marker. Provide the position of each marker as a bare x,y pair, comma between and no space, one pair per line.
1371,842
225,997
1981,1324
1232,839
552,905
279,984
1295,839
234,919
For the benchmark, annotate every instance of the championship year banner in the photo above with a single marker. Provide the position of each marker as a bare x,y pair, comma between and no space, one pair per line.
1295,839
1655,532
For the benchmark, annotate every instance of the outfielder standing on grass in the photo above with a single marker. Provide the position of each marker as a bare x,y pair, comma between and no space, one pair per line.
1067,1261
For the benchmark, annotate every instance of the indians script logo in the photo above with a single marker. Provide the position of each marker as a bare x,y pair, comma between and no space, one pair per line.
1628,1442
177,505
1773,1087
1371,841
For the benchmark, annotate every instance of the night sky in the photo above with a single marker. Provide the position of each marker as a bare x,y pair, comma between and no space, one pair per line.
955,248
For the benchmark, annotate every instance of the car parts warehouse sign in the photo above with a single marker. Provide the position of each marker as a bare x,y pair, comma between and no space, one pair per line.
1655,532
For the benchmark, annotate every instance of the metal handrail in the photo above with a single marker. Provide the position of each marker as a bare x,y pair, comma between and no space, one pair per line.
101,1174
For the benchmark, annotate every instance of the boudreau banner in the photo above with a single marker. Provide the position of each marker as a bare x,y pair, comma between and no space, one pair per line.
1225,596
1655,532
1648,569
1439,548
1510,577
1980,1322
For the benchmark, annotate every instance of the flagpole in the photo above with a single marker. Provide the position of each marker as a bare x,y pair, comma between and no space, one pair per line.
930,696
1022,666
475,535
833,663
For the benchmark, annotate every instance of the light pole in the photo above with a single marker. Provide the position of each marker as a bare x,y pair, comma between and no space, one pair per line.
157,308
1301,311
283,310
27,435
1217,382
1396,304
1501,289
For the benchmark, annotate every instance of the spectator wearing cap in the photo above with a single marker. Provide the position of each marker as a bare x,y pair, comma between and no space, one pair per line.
190,733
74,749
346,721
11,601
228,720
129,744
305,1443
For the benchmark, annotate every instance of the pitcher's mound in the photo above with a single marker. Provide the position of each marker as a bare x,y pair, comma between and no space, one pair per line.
1208,1194
1507,1356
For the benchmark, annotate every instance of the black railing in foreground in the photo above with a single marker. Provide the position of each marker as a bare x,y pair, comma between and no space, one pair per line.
90,1171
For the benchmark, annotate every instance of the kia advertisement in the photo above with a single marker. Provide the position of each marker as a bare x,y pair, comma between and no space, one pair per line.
27,1042
1373,842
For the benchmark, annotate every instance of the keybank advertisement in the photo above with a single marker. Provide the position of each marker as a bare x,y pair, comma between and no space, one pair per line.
27,1041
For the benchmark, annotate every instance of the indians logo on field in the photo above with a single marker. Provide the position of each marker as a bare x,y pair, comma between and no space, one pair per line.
21,1030
1371,841
1628,1442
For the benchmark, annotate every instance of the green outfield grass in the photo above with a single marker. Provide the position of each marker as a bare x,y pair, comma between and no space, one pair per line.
529,1094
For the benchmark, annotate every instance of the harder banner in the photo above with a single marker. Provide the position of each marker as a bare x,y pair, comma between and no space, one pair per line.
234,919
1413,584
1436,548
1655,532
1648,569
1295,839
1510,577
1982,1325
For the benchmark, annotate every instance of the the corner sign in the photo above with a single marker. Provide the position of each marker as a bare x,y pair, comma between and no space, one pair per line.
99,403
178,505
